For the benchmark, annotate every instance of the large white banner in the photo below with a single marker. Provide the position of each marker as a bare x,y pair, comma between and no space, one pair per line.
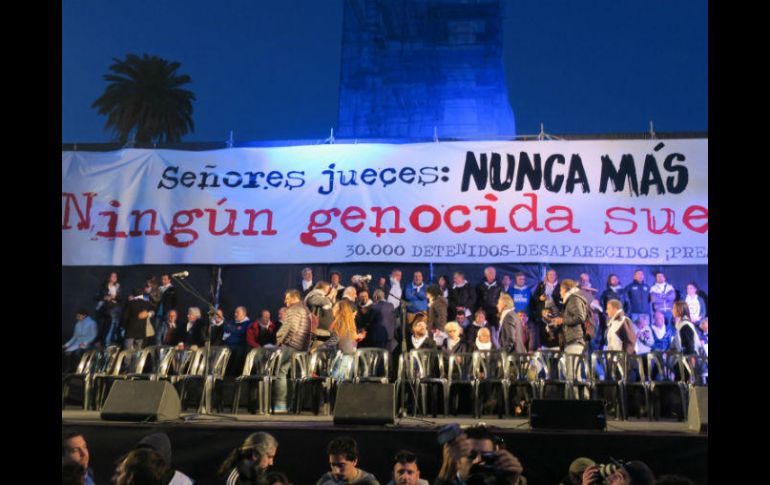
599,201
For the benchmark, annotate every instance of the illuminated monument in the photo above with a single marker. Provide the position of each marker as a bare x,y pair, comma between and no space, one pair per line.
411,65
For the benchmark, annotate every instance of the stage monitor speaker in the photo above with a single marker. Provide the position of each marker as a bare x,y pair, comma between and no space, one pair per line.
365,403
142,401
558,414
698,410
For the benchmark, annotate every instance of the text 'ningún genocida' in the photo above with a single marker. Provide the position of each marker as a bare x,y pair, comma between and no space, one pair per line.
324,224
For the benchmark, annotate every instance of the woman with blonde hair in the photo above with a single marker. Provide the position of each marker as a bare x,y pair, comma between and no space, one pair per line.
344,337
454,342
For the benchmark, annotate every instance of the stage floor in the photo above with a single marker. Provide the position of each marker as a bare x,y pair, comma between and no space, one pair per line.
310,420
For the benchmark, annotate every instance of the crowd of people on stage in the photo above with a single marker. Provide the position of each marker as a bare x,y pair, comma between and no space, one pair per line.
452,315
471,455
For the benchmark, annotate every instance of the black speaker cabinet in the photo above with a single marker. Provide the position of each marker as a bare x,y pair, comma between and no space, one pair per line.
365,403
142,401
561,414
698,409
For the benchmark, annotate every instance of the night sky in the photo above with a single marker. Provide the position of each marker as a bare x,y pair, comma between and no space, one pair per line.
269,69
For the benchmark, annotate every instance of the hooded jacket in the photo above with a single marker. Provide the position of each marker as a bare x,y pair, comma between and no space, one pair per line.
160,443
321,306
574,315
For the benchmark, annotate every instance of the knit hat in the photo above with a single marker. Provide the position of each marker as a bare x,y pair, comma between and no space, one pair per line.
158,442
638,471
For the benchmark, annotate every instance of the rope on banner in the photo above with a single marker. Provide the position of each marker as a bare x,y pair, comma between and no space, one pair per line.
435,134
219,286
653,136
230,141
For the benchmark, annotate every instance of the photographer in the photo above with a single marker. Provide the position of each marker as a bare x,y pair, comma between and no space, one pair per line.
476,456
628,473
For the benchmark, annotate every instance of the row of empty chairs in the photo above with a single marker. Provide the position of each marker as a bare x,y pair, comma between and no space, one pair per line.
423,373
98,369
554,375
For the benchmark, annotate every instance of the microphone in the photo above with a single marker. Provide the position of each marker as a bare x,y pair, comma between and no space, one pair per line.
183,274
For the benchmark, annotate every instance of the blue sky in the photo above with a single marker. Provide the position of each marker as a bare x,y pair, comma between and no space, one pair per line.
270,69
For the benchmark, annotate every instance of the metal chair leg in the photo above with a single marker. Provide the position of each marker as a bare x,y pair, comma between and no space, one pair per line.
622,404
445,392
422,390
506,406
236,397
87,391
298,397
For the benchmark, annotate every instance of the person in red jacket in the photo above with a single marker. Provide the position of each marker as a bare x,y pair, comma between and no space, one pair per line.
261,332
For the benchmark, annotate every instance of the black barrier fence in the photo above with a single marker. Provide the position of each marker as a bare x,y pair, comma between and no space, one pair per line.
261,286
199,450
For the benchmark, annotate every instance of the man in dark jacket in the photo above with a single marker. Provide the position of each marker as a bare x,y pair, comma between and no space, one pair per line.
234,337
420,338
460,295
194,332
546,298
293,336
382,324
134,319
166,304
638,296
488,294
512,330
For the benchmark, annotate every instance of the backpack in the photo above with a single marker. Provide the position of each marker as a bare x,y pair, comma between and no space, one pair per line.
589,324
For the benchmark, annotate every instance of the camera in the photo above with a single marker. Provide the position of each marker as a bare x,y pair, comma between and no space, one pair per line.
605,470
361,279
486,473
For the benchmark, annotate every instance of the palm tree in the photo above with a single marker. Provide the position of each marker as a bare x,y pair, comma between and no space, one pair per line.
144,94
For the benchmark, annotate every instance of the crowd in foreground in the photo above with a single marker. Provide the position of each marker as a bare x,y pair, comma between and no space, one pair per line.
473,455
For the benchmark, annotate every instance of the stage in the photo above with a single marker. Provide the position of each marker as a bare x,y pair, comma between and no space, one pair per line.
201,444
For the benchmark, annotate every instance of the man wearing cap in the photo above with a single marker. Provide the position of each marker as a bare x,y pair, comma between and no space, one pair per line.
160,443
